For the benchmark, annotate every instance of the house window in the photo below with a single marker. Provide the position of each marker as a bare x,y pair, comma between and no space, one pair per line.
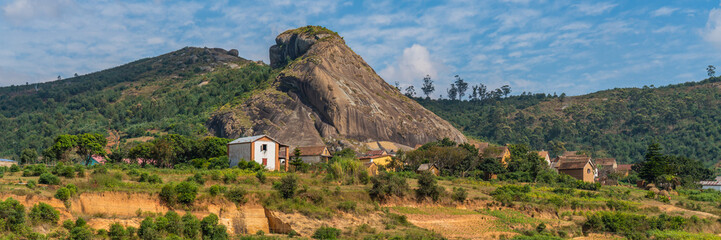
264,147
588,171
265,162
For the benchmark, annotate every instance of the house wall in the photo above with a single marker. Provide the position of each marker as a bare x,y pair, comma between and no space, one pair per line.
588,177
311,159
238,151
7,164
382,160
718,188
270,153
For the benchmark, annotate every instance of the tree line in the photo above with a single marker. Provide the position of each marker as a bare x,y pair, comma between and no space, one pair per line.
458,90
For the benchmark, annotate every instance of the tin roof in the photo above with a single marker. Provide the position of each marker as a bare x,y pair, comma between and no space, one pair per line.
252,139
7,160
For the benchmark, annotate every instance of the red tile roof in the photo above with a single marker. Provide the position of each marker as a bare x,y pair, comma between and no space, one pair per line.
312,151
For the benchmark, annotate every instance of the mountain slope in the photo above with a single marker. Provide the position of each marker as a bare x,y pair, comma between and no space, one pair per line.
171,93
327,93
684,118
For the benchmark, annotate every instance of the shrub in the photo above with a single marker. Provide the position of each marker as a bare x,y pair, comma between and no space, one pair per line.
630,224
427,187
117,232
230,177
49,178
174,225
14,168
100,169
73,189
34,170
147,229
386,185
459,194
44,213
541,227
80,169
347,206
191,225
62,194
197,178
66,171
186,192
31,184
168,194
216,189
260,175
287,186
153,179
326,233
81,233
236,195
13,214
509,193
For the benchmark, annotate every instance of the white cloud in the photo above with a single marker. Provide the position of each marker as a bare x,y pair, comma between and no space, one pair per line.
19,11
713,27
668,29
664,11
415,63
594,9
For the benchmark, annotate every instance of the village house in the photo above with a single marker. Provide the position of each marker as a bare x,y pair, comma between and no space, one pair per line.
606,163
390,147
546,157
261,149
624,169
379,157
578,166
371,167
7,163
314,154
96,159
427,167
716,184
503,154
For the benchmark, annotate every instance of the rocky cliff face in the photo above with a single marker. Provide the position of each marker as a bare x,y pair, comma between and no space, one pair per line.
325,91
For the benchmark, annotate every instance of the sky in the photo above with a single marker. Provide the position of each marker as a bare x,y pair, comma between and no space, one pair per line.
573,47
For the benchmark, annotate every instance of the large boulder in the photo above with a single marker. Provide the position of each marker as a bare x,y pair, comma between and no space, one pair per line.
325,92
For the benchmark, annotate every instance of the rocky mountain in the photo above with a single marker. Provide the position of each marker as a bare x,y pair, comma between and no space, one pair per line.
325,92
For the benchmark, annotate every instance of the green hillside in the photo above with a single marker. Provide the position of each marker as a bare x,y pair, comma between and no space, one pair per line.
685,119
171,93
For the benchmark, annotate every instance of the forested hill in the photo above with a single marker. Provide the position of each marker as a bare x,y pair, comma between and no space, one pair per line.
685,119
171,93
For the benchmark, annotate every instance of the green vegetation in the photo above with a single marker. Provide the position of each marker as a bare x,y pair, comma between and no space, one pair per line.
174,93
617,123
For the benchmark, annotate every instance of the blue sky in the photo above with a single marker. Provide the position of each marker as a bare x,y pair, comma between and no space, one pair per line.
574,47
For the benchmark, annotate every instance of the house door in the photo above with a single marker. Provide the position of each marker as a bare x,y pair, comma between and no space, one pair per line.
265,162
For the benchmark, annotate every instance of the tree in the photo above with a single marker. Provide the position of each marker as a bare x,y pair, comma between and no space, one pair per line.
452,92
398,86
61,145
711,70
89,144
461,87
410,91
287,186
297,161
506,90
654,164
428,87
28,156
427,187
474,95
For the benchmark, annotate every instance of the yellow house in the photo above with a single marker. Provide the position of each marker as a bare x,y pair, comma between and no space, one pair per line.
379,157
500,153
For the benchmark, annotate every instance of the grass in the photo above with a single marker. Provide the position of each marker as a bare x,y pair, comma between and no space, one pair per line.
508,217
432,211
680,235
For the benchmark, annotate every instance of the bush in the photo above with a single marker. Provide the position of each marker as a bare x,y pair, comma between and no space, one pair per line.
326,233
14,168
427,187
347,206
81,233
629,224
13,214
197,178
459,194
100,169
66,171
236,195
186,192
509,193
31,184
216,189
117,232
260,175
386,185
287,186
168,195
34,170
62,194
73,189
49,179
44,213
147,229
191,225
230,177
153,179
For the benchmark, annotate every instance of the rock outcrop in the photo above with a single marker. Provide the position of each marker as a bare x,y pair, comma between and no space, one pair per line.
324,93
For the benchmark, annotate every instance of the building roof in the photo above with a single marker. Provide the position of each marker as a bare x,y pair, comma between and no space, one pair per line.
7,160
605,161
98,159
572,164
624,167
368,164
710,183
313,151
252,139
425,167
543,154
